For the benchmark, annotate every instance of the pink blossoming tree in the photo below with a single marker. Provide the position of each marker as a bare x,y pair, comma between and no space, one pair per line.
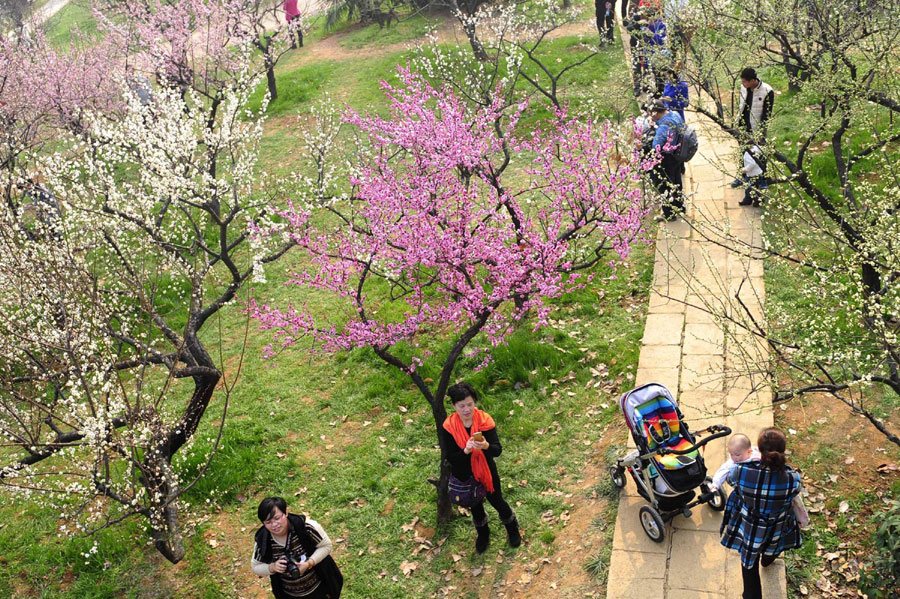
437,239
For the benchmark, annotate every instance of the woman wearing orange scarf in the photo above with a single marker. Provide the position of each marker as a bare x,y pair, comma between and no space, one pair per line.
469,457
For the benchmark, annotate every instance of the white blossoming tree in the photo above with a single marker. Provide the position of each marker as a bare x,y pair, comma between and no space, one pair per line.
831,215
110,277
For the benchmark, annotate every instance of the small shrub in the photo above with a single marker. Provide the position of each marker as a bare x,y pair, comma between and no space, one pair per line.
881,576
606,488
598,564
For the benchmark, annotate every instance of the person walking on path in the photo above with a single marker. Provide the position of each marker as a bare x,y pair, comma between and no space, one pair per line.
759,521
675,93
295,553
472,457
292,14
606,19
757,100
666,175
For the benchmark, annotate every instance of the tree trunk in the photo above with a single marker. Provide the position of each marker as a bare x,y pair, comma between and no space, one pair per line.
444,508
793,75
270,81
265,46
167,537
164,524
159,478
477,48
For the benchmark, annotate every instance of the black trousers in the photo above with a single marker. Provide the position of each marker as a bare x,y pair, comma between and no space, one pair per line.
605,21
624,9
752,583
496,500
666,178
294,30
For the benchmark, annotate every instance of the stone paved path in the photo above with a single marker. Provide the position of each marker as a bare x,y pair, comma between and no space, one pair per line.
698,360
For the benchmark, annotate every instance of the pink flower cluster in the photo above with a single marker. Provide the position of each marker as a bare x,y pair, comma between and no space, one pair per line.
41,85
439,236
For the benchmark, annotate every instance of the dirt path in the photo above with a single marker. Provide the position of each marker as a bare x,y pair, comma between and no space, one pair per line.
562,573
48,10
449,32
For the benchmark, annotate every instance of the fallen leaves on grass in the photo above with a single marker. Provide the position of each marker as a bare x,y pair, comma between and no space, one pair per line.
407,568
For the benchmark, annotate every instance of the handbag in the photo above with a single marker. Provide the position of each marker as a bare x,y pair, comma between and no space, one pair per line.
466,493
800,512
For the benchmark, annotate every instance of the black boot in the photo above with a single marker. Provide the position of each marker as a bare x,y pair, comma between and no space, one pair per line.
513,537
484,536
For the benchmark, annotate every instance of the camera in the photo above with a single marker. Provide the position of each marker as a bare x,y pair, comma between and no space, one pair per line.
292,570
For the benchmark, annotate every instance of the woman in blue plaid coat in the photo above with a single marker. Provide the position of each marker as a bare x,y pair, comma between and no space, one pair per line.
758,519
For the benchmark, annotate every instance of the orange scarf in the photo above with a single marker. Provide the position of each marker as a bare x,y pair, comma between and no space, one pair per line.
481,421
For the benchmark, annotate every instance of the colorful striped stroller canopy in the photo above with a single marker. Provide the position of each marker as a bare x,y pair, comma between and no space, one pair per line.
658,421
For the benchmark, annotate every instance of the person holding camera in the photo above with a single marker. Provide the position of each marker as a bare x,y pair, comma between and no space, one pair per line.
295,553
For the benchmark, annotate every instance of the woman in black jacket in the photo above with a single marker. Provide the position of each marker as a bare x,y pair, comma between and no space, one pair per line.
471,440
295,553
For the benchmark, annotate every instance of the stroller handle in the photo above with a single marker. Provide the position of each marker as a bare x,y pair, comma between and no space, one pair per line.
718,431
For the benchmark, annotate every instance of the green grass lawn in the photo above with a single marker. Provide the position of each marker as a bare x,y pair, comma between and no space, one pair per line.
74,15
349,441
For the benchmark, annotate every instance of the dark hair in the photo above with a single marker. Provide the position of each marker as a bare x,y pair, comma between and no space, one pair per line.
460,391
267,507
657,106
748,74
772,444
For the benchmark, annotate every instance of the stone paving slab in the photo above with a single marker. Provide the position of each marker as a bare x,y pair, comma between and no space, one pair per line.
659,356
667,377
702,405
706,339
702,373
628,534
666,303
685,594
703,519
663,329
637,565
696,561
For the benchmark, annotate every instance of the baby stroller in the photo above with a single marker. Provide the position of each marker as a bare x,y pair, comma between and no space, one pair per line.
666,466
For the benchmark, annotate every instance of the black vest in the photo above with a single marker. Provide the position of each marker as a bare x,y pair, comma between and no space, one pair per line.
330,576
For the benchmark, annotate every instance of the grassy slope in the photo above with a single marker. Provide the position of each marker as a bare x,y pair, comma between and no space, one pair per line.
75,14
347,439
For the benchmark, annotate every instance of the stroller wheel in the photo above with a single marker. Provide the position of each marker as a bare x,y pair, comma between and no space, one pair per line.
652,524
617,473
718,501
